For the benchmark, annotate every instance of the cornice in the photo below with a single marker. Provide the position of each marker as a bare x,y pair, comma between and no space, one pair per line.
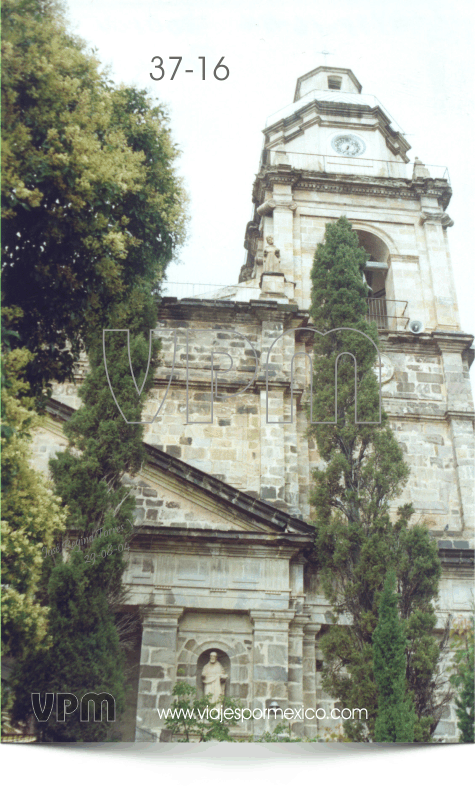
402,341
453,342
417,416
295,124
148,537
226,310
459,558
431,342
350,184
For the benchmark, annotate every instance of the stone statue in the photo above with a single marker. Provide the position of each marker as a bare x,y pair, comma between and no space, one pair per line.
271,256
213,677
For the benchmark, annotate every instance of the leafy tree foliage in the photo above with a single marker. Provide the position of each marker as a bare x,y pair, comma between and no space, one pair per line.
362,472
32,515
93,212
84,653
395,718
462,678
92,208
190,715
103,447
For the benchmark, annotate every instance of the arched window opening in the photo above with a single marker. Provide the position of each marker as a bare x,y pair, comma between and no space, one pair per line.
376,276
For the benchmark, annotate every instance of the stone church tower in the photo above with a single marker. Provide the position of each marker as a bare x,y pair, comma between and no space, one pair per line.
222,558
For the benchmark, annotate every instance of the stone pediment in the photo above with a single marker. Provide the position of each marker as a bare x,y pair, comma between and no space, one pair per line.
174,497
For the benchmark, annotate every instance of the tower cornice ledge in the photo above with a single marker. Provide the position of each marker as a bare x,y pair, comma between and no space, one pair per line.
319,111
385,186
453,341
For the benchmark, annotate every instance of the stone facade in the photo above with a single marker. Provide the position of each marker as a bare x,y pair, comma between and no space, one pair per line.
223,556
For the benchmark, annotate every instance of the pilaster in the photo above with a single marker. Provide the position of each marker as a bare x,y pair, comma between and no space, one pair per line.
270,661
460,416
157,664
296,671
310,676
435,223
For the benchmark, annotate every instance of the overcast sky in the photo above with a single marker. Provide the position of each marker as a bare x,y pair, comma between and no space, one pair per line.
416,56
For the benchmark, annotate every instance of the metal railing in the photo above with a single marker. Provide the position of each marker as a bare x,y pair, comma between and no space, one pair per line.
334,164
388,313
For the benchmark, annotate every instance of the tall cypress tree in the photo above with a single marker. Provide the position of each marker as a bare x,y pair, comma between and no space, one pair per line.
84,652
363,471
463,644
395,717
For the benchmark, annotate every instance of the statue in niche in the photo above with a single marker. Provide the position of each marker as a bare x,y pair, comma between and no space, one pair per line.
271,256
214,678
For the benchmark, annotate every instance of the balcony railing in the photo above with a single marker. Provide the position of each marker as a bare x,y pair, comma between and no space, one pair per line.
388,313
334,164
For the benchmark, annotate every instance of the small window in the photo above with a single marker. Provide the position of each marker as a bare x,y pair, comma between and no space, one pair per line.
334,83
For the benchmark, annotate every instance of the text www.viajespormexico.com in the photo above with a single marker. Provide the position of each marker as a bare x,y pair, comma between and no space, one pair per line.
244,714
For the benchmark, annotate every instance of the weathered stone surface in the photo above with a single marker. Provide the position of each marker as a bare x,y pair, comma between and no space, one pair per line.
270,673
277,654
147,700
159,639
151,672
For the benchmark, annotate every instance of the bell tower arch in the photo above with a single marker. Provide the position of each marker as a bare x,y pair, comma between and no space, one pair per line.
337,150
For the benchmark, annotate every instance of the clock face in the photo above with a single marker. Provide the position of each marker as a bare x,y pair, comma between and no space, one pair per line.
348,145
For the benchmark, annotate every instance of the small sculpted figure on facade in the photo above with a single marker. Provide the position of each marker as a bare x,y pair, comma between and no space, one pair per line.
271,256
214,678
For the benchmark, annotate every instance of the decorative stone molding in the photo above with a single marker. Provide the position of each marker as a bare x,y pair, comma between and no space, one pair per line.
288,206
387,369
252,232
158,615
436,216
271,620
267,208
452,342
357,185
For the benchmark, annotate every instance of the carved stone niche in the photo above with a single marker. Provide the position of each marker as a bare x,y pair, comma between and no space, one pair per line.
225,662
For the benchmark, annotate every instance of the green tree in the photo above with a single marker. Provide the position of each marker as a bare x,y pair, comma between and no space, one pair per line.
32,515
84,653
362,472
92,209
395,718
83,595
462,678
93,212
192,716
31,518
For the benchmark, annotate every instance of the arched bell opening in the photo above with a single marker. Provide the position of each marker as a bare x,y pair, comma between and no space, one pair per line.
377,277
